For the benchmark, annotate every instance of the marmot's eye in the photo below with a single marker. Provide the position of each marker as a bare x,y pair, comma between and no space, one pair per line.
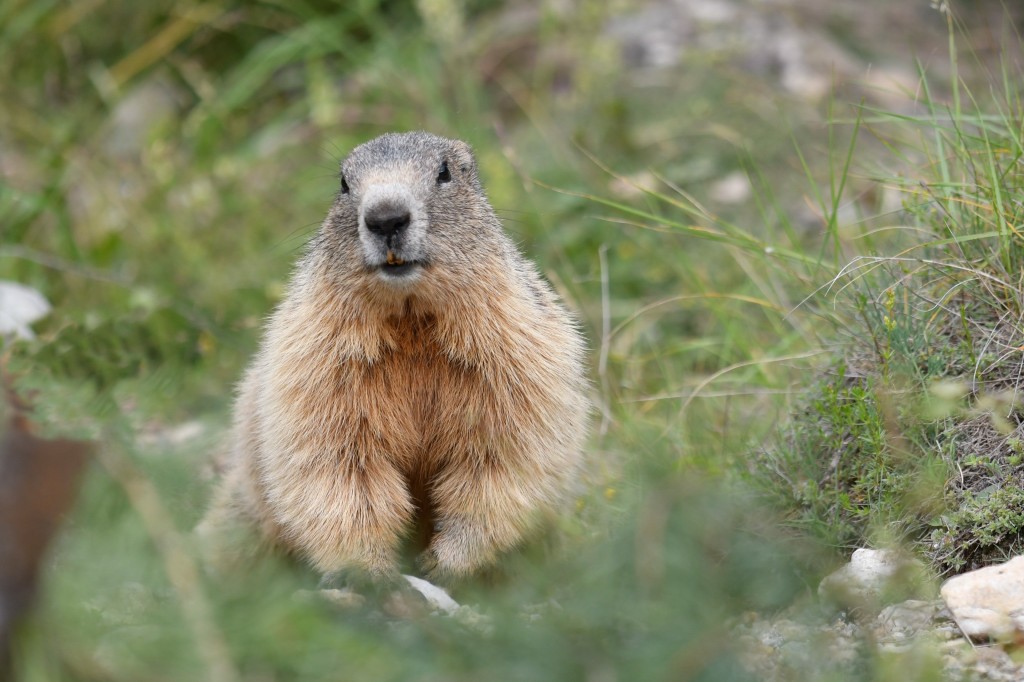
443,175
344,185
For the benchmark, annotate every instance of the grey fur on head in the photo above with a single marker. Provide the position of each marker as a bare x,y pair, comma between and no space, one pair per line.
398,187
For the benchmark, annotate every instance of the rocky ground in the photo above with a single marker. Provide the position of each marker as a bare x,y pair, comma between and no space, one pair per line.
973,631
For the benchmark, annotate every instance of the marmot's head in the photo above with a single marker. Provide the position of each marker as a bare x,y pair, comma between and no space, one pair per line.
410,203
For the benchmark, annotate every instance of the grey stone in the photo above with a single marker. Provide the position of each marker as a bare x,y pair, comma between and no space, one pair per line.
139,112
906,619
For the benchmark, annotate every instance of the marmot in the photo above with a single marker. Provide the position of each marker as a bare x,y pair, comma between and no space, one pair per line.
418,372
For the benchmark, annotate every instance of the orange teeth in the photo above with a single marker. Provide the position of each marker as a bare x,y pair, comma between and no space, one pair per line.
393,259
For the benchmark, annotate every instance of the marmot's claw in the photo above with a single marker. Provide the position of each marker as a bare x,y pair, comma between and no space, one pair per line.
427,562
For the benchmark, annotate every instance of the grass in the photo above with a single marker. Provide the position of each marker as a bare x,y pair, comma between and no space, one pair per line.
912,436
163,179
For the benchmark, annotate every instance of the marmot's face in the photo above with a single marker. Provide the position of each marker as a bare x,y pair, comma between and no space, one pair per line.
413,200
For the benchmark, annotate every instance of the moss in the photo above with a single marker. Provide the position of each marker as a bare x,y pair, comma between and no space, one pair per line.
984,528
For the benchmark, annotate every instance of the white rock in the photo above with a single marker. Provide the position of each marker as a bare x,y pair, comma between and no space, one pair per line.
871,576
178,434
434,595
20,306
988,603
734,188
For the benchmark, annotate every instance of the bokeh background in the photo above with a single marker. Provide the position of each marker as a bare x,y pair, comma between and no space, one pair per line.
691,175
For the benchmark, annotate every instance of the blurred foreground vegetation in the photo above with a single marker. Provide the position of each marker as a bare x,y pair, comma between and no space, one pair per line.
163,164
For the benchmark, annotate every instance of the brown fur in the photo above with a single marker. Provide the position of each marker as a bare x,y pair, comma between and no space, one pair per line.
455,403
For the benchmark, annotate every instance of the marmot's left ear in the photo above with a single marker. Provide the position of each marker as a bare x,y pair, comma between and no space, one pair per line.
464,155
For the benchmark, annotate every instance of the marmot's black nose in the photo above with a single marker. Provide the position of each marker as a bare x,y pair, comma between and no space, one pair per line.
387,219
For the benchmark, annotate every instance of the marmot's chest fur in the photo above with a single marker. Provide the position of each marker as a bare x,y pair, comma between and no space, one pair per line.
410,405
419,373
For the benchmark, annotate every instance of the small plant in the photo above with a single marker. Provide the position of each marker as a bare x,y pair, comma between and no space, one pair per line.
983,528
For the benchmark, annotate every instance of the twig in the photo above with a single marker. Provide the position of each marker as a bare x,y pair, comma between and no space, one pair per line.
180,566
606,332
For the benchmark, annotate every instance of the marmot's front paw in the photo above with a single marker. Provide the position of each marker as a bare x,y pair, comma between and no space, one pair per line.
455,552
